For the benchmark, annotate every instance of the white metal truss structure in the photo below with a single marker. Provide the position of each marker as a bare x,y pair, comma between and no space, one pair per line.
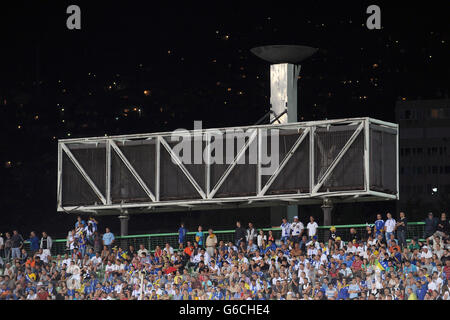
346,160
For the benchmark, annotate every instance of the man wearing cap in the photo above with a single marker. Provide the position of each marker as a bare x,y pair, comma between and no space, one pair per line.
297,228
426,253
211,242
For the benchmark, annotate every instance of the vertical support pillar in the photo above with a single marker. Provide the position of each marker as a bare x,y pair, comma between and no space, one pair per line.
124,224
327,207
283,97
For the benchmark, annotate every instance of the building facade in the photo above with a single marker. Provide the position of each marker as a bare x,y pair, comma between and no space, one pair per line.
424,155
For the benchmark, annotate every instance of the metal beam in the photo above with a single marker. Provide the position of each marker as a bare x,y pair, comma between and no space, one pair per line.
157,169
132,170
83,173
208,165
108,172
59,178
367,154
180,164
295,125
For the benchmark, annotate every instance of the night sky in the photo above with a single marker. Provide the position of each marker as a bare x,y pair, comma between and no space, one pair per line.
135,68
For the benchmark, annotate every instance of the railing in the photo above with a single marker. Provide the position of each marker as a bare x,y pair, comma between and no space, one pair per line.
150,241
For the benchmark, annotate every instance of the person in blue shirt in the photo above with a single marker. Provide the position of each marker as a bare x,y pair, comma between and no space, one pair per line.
379,226
182,235
82,244
422,291
80,221
354,289
34,242
199,237
108,238
343,291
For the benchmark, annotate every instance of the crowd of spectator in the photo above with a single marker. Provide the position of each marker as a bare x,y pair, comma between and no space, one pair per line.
377,264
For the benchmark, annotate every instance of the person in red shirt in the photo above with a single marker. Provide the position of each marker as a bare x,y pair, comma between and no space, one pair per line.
447,269
169,269
189,249
356,265
158,251
42,294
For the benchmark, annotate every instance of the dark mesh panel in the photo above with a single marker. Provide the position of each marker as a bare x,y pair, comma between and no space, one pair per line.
141,155
242,179
390,162
349,172
218,169
93,160
287,139
383,160
173,182
294,178
197,171
75,190
327,145
124,186
376,165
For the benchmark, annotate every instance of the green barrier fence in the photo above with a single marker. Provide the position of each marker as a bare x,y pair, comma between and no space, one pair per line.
150,241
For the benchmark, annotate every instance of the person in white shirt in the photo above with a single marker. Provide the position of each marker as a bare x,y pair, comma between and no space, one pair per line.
96,260
141,250
297,228
168,249
426,253
312,227
390,226
285,230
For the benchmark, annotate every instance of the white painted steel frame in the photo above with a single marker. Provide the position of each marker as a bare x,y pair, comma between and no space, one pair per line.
208,200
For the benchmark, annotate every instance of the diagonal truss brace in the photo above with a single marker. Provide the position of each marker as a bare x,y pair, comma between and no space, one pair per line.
233,164
132,170
283,163
83,173
179,163
338,158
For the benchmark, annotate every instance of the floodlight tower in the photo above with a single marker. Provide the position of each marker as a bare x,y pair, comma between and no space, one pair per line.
284,71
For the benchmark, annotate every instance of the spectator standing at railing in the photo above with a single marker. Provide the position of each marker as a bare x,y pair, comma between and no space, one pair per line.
16,245
251,233
431,223
312,228
390,226
211,242
181,235
70,241
402,229
379,226
297,228
8,245
239,234
285,230
2,246
46,243
34,242
261,239
108,238
442,226
199,236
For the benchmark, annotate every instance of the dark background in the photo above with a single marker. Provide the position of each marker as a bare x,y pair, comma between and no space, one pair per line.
194,60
